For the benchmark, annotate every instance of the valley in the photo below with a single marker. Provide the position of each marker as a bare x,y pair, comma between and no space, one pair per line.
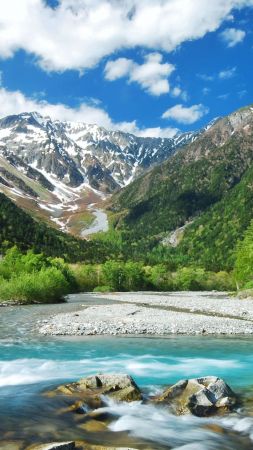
55,170
126,225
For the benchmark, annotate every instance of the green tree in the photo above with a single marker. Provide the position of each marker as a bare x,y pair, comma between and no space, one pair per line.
133,276
244,258
160,278
114,275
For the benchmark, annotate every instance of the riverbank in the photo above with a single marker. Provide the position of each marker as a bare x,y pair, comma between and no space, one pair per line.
190,313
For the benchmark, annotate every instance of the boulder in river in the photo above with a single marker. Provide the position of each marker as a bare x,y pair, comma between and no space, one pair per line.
120,387
199,396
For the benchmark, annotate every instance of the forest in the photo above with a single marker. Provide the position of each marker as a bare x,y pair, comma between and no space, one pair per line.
28,277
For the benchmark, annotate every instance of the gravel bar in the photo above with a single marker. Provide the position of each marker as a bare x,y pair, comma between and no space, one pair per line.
156,314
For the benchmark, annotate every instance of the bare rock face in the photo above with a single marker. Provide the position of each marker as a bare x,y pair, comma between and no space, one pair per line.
199,396
120,387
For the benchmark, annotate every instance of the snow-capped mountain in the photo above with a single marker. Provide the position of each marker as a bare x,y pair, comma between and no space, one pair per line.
53,168
75,153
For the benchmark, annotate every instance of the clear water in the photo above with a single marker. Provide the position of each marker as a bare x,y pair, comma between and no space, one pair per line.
31,364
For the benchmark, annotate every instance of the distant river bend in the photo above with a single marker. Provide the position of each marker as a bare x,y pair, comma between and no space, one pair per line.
100,222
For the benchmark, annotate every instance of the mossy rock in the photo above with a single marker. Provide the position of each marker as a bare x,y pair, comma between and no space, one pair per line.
120,387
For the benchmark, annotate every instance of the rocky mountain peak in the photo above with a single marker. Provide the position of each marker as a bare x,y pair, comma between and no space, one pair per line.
76,153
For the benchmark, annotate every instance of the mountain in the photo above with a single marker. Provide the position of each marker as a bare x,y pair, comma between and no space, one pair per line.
55,170
205,188
75,153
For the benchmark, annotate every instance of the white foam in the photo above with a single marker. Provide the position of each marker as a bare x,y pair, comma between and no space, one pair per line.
22,371
158,425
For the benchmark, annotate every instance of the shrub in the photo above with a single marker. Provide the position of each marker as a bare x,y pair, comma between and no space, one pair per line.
88,276
103,289
48,285
160,278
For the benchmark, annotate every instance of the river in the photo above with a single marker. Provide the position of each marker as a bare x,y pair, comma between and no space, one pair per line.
99,224
31,364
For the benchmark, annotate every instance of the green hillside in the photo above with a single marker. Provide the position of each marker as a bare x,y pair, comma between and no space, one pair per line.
209,182
212,238
18,227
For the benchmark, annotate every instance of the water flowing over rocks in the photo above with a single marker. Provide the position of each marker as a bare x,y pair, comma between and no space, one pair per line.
198,396
54,446
74,446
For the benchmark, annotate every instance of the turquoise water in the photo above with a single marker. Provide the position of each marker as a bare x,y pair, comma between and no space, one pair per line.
30,364
149,360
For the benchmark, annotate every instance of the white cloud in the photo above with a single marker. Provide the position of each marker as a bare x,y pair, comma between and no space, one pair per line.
242,93
186,115
152,75
77,34
223,96
227,73
158,132
232,36
15,102
119,68
178,92
206,77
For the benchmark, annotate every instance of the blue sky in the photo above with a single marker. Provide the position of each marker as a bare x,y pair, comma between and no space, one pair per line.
148,67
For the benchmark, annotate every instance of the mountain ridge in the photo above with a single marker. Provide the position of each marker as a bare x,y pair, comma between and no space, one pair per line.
56,169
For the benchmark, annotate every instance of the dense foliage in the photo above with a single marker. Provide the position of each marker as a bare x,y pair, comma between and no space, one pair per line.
211,240
30,277
206,184
132,276
244,260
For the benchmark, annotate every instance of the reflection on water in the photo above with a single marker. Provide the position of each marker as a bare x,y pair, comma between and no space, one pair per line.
31,364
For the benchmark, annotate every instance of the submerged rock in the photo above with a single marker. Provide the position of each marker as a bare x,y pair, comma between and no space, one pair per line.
11,445
93,426
199,396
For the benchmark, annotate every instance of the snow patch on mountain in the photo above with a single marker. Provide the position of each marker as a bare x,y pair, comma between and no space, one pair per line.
76,153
